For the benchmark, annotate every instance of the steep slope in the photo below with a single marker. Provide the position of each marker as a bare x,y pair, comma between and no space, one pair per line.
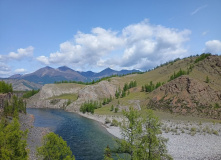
50,75
22,85
191,94
46,98
188,94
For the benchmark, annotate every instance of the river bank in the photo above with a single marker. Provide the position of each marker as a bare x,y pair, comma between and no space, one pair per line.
186,140
35,134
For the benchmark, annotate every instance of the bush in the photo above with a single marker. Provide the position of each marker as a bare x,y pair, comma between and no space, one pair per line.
114,122
107,121
89,106
116,110
112,108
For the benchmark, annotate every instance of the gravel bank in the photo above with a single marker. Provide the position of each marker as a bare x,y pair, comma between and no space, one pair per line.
35,134
182,144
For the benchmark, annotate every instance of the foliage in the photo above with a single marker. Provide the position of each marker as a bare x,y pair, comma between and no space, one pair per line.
202,57
5,87
107,154
141,138
207,79
150,87
116,110
54,147
28,94
118,93
112,108
178,74
15,105
122,93
107,100
114,122
12,141
89,106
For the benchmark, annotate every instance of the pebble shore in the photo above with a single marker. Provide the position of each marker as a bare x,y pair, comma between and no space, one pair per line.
35,134
181,146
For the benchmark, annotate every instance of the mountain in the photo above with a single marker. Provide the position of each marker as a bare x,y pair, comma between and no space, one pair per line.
15,76
22,85
106,73
50,75
196,92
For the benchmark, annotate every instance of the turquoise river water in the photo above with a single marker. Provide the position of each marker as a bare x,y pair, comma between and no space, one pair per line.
86,138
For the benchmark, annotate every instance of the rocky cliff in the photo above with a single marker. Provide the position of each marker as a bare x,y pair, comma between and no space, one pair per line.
186,95
44,99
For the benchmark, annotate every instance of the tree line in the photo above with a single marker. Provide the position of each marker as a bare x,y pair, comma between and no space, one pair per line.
90,106
14,106
122,93
28,94
151,86
98,80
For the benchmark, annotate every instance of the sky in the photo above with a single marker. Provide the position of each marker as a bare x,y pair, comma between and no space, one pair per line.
95,34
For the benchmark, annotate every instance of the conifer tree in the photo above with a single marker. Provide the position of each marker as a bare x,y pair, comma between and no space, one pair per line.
141,139
54,148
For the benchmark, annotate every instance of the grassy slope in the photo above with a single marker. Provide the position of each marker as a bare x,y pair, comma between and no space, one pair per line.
161,74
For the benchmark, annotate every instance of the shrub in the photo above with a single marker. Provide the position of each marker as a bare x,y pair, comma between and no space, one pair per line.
107,121
116,110
114,122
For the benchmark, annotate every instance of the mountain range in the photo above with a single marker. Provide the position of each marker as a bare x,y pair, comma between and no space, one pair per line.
50,75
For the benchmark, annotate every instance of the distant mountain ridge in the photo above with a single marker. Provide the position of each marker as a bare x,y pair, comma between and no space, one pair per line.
50,75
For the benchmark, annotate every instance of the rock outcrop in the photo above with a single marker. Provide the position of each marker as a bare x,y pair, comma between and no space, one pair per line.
186,95
43,99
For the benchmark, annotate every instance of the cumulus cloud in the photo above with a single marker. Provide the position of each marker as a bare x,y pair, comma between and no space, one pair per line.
213,46
21,53
139,46
4,69
20,70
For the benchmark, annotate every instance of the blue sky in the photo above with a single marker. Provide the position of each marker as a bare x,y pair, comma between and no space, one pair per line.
96,34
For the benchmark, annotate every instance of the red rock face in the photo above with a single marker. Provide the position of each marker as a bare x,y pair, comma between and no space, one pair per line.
185,95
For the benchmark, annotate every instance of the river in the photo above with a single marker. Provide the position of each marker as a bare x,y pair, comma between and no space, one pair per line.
86,138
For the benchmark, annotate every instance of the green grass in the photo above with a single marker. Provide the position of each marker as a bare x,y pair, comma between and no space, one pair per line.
176,117
72,97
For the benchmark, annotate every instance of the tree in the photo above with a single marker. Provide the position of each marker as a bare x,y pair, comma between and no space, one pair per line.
141,140
12,141
107,153
54,148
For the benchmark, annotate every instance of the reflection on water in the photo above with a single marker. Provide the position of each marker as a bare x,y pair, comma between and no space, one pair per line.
86,138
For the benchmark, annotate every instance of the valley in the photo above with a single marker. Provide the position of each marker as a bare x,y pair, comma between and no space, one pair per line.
189,105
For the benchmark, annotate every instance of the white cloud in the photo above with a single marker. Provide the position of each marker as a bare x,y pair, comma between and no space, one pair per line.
21,53
4,70
140,46
43,60
213,46
20,70
198,9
